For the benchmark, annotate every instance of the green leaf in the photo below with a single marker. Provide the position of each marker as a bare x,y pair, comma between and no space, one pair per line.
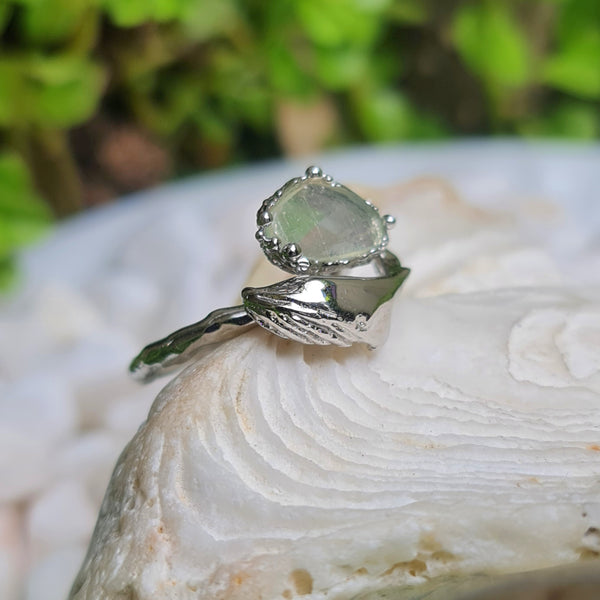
17,196
339,68
212,126
12,94
8,275
17,232
490,42
576,17
129,13
181,99
575,68
573,120
384,115
25,2
51,21
412,12
337,22
209,18
252,105
286,76
56,91
68,89
23,217
237,87
426,127
5,13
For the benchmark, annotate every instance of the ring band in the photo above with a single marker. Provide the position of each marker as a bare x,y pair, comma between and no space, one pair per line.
314,228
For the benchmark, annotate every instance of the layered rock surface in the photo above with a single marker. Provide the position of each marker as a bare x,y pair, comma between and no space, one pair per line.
105,284
467,444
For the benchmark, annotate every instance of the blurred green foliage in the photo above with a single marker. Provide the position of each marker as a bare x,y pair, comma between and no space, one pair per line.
100,97
22,215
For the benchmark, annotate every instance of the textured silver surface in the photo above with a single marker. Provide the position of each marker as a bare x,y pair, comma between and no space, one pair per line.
319,307
328,310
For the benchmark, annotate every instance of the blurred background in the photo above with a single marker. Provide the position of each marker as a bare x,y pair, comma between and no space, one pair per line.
99,98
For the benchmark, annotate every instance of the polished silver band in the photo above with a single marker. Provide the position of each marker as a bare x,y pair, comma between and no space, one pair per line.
316,306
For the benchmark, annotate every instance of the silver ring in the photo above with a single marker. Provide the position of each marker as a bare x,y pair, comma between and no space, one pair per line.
314,228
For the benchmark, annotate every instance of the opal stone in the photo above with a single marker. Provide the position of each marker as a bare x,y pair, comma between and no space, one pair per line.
329,223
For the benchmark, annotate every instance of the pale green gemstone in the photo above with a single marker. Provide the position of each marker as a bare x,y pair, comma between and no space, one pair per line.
330,224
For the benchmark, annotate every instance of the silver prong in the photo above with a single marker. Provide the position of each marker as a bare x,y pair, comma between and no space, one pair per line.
390,221
292,251
264,217
313,171
303,264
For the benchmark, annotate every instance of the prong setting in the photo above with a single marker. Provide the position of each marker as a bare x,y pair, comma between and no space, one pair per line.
289,256
390,221
313,171
292,252
263,217
303,264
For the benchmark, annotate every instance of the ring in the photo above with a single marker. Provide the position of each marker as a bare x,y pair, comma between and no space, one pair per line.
314,228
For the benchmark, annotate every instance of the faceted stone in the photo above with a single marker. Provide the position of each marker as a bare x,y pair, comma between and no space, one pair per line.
330,224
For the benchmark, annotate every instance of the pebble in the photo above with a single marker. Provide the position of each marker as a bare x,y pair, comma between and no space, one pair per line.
128,301
66,314
127,415
26,443
96,370
25,466
38,325
90,459
51,577
12,552
63,515
49,398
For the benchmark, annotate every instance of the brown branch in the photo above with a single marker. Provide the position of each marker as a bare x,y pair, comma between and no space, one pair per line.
54,170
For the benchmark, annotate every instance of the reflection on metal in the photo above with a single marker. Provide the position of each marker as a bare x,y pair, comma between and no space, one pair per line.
317,306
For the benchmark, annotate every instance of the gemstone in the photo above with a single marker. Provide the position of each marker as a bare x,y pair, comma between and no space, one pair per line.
330,223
